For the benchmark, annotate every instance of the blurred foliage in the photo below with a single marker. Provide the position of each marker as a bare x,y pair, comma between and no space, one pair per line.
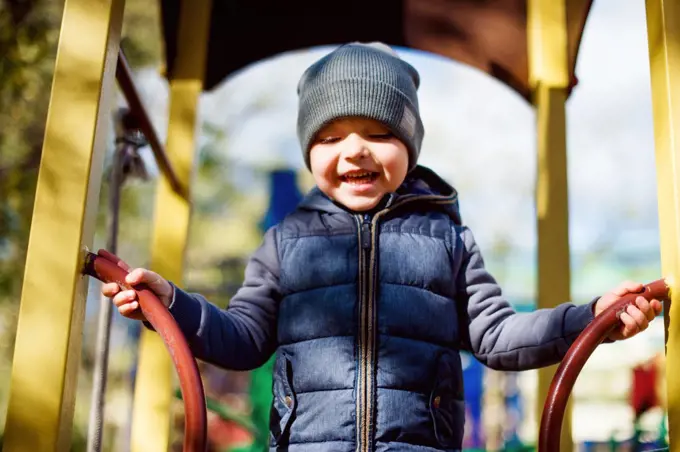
28,34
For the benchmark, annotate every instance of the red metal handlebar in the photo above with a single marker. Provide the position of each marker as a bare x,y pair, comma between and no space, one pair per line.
575,359
108,268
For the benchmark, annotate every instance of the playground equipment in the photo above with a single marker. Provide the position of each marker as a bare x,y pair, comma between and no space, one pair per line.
529,45
109,268
579,352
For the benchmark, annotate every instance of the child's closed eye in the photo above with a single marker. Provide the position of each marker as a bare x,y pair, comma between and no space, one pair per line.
382,136
327,140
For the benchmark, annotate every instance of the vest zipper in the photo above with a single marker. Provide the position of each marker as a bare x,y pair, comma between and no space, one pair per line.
366,346
363,410
366,233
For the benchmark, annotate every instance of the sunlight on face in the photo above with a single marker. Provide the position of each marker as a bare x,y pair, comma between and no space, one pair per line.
357,161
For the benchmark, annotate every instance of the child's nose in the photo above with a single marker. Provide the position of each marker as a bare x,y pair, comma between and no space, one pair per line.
356,147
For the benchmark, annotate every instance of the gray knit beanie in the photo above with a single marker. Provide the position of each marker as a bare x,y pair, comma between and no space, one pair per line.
362,80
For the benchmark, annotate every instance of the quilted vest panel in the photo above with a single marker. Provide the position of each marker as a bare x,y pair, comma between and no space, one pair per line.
368,335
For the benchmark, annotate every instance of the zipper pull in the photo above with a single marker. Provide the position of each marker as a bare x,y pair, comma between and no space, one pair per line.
366,232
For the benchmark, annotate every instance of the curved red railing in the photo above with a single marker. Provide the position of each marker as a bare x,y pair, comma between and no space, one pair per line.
576,357
106,267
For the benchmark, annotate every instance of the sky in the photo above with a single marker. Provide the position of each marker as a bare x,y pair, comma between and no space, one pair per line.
480,136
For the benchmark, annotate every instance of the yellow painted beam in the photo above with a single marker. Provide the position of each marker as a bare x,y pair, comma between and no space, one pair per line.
154,386
553,266
663,33
549,77
48,341
547,43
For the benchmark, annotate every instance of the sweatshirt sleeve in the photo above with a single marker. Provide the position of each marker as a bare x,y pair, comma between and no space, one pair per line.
502,338
243,336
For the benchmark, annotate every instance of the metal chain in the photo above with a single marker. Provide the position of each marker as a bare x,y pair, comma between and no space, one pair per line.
126,163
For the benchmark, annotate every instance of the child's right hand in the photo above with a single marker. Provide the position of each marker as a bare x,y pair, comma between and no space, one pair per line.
126,300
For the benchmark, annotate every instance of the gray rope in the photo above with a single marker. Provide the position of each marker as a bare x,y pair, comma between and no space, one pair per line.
101,364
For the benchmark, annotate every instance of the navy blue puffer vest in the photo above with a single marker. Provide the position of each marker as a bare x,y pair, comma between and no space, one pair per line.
368,328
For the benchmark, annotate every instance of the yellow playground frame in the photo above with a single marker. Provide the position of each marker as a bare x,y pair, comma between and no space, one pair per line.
48,340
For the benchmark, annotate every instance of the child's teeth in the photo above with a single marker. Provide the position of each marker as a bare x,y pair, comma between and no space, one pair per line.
359,178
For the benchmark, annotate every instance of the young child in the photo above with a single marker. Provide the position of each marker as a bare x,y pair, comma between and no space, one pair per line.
370,289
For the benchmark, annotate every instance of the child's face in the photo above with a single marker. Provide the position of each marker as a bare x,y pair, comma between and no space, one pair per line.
357,161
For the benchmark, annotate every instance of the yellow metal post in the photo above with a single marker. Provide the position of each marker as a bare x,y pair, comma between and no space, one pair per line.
663,33
549,76
48,340
153,391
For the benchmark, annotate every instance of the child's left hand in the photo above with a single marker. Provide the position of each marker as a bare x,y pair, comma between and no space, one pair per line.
637,316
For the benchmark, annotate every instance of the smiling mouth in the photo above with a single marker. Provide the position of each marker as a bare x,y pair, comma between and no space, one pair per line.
359,177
